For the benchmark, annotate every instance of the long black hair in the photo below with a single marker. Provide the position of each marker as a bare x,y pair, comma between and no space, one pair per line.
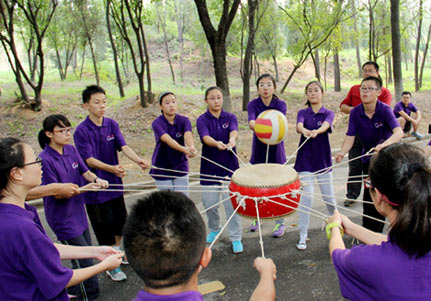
11,155
49,124
401,172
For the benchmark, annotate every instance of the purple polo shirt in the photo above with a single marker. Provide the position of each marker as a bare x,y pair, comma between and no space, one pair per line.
30,263
66,217
382,272
164,156
102,143
258,150
407,109
184,296
315,154
219,129
372,131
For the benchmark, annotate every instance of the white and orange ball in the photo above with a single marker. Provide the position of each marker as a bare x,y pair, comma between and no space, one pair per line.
271,127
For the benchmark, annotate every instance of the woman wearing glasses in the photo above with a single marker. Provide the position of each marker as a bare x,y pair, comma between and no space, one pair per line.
396,266
376,126
67,216
30,263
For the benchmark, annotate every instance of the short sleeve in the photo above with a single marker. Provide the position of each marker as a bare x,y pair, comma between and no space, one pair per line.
413,107
300,117
158,129
390,119
233,124
397,108
348,100
282,107
351,130
82,166
329,117
83,145
251,110
119,138
202,127
385,96
187,125
41,260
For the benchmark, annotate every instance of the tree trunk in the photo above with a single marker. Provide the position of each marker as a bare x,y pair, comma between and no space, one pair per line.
396,48
337,78
114,50
248,64
356,42
316,63
390,80
220,69
418,43
424,57
274,59
82,61
59,65
165,41
93,58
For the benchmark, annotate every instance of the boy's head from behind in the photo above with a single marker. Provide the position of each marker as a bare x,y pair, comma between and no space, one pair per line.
90,90
164,239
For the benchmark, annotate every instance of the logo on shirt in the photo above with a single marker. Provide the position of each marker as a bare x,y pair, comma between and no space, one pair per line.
110,137
178,135
378,124
225,125
319,123
75,165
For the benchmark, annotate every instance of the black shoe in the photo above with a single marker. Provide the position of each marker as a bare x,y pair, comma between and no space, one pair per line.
348,203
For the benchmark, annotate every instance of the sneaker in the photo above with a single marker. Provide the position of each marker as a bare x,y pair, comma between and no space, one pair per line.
278,230
124,260
237,247
71,296
417,135
212,236
348,203
254,226
117,275
301,246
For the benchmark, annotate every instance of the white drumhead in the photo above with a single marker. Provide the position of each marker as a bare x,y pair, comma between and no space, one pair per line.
264,175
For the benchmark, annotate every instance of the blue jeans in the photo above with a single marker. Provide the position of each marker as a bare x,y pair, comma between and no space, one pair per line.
327,190
213,194
180,184
89,289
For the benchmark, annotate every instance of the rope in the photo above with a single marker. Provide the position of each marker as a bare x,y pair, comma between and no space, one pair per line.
215,163
214,205
225,225
186,172
260,229
234,153
267,153
369,153
295,152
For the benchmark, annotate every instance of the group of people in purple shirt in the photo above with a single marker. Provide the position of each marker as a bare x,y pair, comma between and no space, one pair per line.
398,187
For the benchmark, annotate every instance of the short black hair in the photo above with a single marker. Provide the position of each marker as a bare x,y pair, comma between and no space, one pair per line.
406,93
164,239
212,88
377,80
402,173
265,75
90,90
163,94
371,63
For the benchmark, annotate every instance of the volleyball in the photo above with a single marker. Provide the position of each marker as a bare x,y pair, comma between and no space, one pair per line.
271,127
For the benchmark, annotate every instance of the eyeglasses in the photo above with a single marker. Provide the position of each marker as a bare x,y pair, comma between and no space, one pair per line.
38,161
368,184
215,98
64,131
368,89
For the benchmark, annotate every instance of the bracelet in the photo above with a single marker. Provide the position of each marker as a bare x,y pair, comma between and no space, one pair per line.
333,225
94,181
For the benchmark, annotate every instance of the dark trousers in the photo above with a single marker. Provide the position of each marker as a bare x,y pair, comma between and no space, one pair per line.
355,169
370,210
89,289
107,220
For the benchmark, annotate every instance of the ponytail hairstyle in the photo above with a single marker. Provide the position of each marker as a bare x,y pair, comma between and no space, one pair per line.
207,91
49,124
11,155
307,103
401,172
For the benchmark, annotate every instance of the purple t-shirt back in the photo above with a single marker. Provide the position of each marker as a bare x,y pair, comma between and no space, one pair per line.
372,131
315,154
184,296
66,217
102,143
30,263
164,156
258,150
219,129
382,272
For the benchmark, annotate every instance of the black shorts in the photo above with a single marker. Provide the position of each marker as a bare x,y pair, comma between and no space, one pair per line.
107,220
407,126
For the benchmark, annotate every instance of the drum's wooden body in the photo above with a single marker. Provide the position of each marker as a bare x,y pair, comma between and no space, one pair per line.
276,182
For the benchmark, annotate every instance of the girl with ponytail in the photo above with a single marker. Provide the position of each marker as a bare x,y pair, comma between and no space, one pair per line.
396,266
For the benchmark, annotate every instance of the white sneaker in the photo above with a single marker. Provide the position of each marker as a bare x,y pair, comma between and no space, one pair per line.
301,246
117,275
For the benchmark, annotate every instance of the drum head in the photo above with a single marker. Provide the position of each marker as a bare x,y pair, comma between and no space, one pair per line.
264,175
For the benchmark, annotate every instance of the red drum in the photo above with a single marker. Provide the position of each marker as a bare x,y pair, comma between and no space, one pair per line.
276,182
